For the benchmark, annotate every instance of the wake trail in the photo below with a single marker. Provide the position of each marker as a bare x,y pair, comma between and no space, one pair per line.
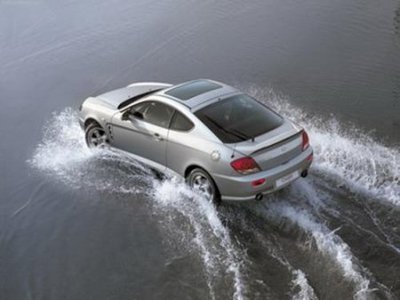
322,205
304,205
327,242
300,286
306,292
219,255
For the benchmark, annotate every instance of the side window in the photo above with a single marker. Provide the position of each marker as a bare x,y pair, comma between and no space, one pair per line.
142,107
155,113
181,123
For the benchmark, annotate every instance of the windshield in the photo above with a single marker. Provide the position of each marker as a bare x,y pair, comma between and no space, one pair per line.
238,118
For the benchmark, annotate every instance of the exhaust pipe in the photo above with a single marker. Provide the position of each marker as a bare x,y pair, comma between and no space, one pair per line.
259,196
304,173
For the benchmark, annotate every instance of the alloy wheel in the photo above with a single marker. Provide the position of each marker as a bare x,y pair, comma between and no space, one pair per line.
96,137
203,186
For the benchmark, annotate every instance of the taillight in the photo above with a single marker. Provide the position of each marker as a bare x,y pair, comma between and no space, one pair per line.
306,141
245,165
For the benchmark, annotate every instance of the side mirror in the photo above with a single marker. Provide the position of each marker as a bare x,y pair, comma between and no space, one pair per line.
125,115
138,115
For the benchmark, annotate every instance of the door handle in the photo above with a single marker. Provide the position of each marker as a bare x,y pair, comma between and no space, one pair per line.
157,136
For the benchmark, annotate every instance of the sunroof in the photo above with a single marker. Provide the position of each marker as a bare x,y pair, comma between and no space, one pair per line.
192,89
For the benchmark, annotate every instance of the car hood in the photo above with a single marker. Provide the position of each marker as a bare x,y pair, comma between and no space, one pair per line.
115,98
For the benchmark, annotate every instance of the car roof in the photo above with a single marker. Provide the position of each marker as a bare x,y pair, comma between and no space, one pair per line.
196,92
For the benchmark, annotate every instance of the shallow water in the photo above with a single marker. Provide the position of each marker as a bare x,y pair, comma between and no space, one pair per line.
81,224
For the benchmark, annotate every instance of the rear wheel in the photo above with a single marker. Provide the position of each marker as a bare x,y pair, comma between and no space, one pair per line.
95,136
202,183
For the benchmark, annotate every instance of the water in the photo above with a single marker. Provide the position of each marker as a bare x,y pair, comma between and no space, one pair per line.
82,224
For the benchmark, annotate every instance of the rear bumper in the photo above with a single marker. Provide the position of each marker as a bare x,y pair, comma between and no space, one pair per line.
240,188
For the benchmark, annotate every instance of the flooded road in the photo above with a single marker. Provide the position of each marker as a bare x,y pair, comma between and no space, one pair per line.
81,224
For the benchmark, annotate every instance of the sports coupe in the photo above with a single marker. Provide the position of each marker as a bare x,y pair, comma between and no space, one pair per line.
226,144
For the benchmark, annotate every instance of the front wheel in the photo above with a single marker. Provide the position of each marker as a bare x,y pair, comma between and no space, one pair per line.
202,183
95,136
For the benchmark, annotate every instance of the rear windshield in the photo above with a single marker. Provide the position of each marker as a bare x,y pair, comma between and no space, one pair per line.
238,118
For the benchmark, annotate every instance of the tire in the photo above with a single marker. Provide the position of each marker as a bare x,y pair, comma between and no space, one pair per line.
95,136
201,181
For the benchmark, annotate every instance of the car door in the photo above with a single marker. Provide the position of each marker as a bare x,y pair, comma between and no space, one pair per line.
143,131
181,143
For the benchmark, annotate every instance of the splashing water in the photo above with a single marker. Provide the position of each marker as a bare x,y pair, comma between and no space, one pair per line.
63,154
63,145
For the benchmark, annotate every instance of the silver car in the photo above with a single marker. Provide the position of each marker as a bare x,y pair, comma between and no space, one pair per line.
227,145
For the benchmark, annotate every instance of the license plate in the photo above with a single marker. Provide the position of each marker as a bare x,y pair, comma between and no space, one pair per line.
287,178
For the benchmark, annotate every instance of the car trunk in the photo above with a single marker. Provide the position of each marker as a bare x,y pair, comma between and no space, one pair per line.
273,148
